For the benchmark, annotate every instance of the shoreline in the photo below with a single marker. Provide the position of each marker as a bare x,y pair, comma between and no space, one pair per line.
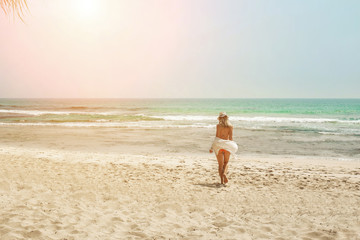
167,141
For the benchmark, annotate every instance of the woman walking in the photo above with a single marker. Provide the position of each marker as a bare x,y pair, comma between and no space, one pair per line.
223,145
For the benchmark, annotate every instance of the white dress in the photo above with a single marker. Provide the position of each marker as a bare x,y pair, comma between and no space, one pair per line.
227,145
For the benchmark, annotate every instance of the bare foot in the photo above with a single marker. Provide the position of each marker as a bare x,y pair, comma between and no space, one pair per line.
225,179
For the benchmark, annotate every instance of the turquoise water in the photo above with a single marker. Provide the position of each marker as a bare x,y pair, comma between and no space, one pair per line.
84,110
195,110
323,116
325,127
344,108
338,108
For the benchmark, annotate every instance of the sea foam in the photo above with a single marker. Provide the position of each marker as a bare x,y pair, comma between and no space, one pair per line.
257,119
38,113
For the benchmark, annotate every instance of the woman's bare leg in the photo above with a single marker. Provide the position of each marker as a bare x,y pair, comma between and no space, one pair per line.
220,158
226,165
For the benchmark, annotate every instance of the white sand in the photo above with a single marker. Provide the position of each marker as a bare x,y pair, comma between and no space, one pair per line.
61,194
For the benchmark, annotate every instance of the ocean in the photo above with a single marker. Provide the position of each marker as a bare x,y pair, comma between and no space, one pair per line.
300,127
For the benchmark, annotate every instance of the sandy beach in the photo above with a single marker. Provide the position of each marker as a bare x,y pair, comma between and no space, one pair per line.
69,191
111,112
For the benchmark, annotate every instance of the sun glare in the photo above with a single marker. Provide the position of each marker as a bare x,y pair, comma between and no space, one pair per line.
87,8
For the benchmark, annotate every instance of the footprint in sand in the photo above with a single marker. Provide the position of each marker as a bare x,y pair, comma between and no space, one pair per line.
134,226
117,219
33,234
313,235
221,222
266,229
160,215
139,234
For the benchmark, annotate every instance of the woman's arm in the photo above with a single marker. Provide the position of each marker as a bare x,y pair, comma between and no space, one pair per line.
231,133
217,130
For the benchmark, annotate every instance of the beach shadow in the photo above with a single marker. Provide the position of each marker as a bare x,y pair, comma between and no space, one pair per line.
209,185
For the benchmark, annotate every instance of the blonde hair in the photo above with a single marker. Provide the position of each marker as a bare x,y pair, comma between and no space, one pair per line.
224,120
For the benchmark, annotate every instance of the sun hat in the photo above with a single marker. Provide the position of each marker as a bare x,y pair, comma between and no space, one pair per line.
222,114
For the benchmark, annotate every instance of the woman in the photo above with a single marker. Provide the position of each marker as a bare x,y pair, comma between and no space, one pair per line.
223,145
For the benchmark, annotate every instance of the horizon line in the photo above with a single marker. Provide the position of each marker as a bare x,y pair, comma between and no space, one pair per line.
176,98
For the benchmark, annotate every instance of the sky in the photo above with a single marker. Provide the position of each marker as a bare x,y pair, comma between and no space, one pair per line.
182,49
